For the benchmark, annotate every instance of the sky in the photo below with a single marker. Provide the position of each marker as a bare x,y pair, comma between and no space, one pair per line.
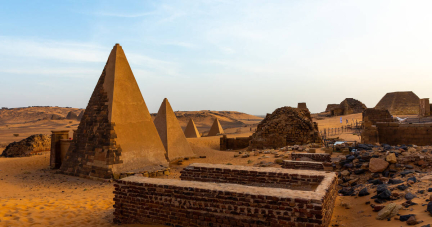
249,56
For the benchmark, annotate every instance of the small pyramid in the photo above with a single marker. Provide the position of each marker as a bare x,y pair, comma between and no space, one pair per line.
116,133
216,128
191,130
80,115
71,116
171,134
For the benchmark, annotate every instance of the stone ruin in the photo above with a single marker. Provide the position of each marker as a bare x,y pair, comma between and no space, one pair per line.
222,195
71,116
348,106
80,115
216,128
171,134
28,146
309,161
191,130
331,107
285,126
400,103
424,108
301,105
116,133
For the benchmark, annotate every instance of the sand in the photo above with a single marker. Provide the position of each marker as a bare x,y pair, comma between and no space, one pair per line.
33,195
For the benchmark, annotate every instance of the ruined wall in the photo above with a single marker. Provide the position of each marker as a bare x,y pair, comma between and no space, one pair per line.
234,143
331,107
192,203
285,126
318,157
371,116
246,175
301,105
395,133
288,164
424,107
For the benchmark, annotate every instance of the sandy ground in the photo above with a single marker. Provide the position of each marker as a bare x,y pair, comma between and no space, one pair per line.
33,195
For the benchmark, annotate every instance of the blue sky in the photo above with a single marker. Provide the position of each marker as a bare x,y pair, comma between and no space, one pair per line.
249,56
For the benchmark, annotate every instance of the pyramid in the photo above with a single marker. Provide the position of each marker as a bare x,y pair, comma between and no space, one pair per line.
171,134
400,103
116,133
191,130
71,116
80,115
216,128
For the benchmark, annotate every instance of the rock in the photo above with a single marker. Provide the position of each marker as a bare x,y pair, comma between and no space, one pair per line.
413,179
429,208
380,188
391,158
345,173
347,191
363,192
395,181
388,211
279,161
402,187
412,221
409,196
405,217
359,171
377,165
25,147
409,166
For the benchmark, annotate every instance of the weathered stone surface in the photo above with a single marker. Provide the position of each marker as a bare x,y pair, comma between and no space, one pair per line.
285,126
216,128
377,165
71,116
400,103
391,158
25,147
171,134
116,133
80,115
191,130
389,211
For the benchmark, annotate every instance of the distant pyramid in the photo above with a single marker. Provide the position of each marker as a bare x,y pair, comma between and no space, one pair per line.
171,134
71,116
80,115
216,128
191,130
116,133
400,103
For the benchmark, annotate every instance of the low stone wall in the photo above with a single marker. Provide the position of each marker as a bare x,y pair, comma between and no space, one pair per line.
288,164
393,133
319,157
190,203
220,173
234,143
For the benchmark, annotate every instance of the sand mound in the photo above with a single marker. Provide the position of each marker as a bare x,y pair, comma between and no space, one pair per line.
400,102
25,147
31,114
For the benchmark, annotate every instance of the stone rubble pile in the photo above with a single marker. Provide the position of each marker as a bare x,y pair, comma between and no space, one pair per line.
30,145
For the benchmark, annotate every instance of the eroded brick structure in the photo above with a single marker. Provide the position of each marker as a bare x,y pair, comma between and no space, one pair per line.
400,103
393,133
234,143
347,106
285,126
305,165
319,157
424,107
371,116
248,196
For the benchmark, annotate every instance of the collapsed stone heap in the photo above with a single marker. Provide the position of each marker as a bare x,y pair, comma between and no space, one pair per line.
347,106
331,107
25,147
285,126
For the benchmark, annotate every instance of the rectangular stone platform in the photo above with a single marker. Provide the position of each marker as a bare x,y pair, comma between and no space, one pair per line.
194,203
288,164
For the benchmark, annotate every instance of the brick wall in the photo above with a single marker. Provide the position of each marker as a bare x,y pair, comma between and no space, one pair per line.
319,157
288,164
247,175
371,116
395,133
192,203
234,143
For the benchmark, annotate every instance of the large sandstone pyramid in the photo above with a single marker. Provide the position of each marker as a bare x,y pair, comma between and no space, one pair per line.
191,130
216,128
171,134
285,126
71,116
80,115
116,133
400,103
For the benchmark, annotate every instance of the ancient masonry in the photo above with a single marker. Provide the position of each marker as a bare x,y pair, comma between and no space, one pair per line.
221,195
285,126
71,116
234,143
400,103
80,115
424,108
116,133
191,130
171,134
348,106
216,128
331,107
301,105
28,146
318,162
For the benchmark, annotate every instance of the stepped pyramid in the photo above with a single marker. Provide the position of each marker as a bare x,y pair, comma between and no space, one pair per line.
191,130
400,103
216,128
116,133
171,134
